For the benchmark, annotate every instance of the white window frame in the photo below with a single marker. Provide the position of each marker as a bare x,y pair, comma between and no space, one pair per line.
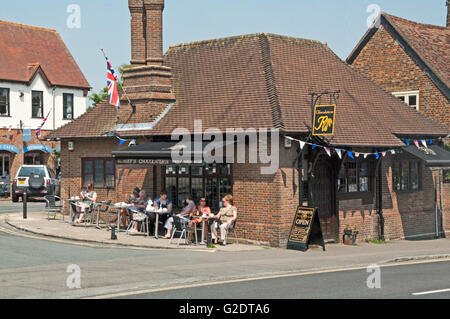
406,95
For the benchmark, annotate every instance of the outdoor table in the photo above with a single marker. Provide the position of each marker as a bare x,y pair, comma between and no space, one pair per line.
157,213
72,202
205,218
119,207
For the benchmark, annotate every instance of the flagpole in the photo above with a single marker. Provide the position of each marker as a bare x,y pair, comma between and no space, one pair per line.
126,95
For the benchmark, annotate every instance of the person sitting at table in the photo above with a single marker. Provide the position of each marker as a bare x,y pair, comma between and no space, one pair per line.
88,197
227,216
185,213
196,216
139,207
163,202
124,214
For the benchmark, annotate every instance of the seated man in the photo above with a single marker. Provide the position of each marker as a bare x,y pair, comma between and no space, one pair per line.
190,207
162,202
88,197
140,206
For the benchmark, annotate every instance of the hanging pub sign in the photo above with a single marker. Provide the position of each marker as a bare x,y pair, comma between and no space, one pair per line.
305,230
324,118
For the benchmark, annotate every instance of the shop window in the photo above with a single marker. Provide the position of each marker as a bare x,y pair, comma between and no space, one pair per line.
37,104
411,98
4,102
447,176
67,106
355,177
99,172
34,159
406,176
212,181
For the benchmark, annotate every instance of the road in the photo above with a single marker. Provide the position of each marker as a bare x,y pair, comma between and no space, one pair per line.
36,268
33,205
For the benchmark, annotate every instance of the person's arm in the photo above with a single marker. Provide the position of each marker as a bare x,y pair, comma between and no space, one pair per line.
169,208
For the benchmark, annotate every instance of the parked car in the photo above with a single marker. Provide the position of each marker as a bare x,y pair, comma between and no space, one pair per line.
36,180
5,187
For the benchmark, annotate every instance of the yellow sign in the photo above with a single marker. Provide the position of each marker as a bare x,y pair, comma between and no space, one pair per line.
324,119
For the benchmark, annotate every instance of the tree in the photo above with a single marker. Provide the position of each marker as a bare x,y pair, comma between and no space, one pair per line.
101,96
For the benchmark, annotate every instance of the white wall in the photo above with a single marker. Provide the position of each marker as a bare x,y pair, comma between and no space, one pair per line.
20,107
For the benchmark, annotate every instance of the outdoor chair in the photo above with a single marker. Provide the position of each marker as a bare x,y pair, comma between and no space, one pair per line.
102,207
181,225
232,229
139,217
88,214
51,206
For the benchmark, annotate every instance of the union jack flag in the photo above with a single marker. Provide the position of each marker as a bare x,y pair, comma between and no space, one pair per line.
113,93
38,131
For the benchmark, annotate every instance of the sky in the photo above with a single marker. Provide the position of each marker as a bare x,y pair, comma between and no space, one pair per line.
106,23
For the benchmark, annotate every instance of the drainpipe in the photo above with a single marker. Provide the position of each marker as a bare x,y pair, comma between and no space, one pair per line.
54,123
380,200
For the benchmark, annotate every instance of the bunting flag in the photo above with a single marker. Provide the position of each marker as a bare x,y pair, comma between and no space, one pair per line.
121,141
352,154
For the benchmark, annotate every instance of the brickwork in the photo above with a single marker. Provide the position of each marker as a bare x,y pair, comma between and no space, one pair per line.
385,62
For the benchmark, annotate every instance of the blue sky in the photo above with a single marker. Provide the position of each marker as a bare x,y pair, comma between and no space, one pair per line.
106,23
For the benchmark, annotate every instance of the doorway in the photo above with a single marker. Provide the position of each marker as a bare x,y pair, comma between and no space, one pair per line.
323,195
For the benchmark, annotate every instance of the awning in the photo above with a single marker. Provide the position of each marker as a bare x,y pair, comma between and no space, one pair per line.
434,156
163,151
9,148
37,147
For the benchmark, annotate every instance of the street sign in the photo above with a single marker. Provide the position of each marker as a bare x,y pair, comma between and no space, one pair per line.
305,230
324,119
26,136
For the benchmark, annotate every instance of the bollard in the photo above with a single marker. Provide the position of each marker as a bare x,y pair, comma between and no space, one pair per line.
113,233
24,200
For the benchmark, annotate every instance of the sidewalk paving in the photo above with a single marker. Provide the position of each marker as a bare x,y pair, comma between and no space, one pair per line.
37,223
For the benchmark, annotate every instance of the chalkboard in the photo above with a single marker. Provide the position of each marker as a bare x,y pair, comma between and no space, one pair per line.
305,230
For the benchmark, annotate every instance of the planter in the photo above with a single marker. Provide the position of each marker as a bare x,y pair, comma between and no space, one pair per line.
349,237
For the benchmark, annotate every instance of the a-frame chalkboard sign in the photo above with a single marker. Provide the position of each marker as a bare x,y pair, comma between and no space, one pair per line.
305,230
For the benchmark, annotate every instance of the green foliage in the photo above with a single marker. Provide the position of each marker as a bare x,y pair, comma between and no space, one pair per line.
101,96
375,241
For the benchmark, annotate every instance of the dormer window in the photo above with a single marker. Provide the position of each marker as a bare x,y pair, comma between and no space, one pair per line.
411,98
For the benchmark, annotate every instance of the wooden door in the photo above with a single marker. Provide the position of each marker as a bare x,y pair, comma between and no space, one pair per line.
323,197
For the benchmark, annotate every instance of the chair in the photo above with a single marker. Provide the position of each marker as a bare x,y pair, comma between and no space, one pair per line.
139,217
180,225
232,229
102,207
51,207
88,213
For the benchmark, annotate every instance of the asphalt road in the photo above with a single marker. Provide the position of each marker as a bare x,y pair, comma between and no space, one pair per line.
427,280
36,268
33,205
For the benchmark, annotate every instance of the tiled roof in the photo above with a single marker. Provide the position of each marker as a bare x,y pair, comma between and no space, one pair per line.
96,122
264,81
431,43
23,49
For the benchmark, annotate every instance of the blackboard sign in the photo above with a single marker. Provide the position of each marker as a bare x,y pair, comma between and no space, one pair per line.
305,230
324,117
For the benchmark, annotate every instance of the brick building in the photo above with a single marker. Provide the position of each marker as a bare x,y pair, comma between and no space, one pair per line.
38,76
261,82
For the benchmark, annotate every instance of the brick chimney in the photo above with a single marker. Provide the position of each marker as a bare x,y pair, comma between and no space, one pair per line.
147,82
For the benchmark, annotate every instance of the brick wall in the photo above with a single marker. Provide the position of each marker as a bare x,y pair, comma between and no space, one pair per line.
385,62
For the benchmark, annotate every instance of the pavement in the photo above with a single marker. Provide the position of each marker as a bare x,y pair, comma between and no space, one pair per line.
34,262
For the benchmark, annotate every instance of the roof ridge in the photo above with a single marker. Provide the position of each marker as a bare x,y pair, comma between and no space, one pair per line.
28,26
274,101
434,26
243,36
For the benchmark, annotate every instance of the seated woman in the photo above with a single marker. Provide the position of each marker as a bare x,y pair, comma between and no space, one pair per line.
132,199
227,216
190,206
196,216
88,197
163,202
139,207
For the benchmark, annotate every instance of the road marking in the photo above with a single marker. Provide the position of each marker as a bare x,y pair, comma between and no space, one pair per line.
300,274
430,292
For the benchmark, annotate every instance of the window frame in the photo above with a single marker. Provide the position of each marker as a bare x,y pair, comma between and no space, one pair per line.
207,177
41,104
370,176
409,188
65,95
93,160
406,95
8,102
